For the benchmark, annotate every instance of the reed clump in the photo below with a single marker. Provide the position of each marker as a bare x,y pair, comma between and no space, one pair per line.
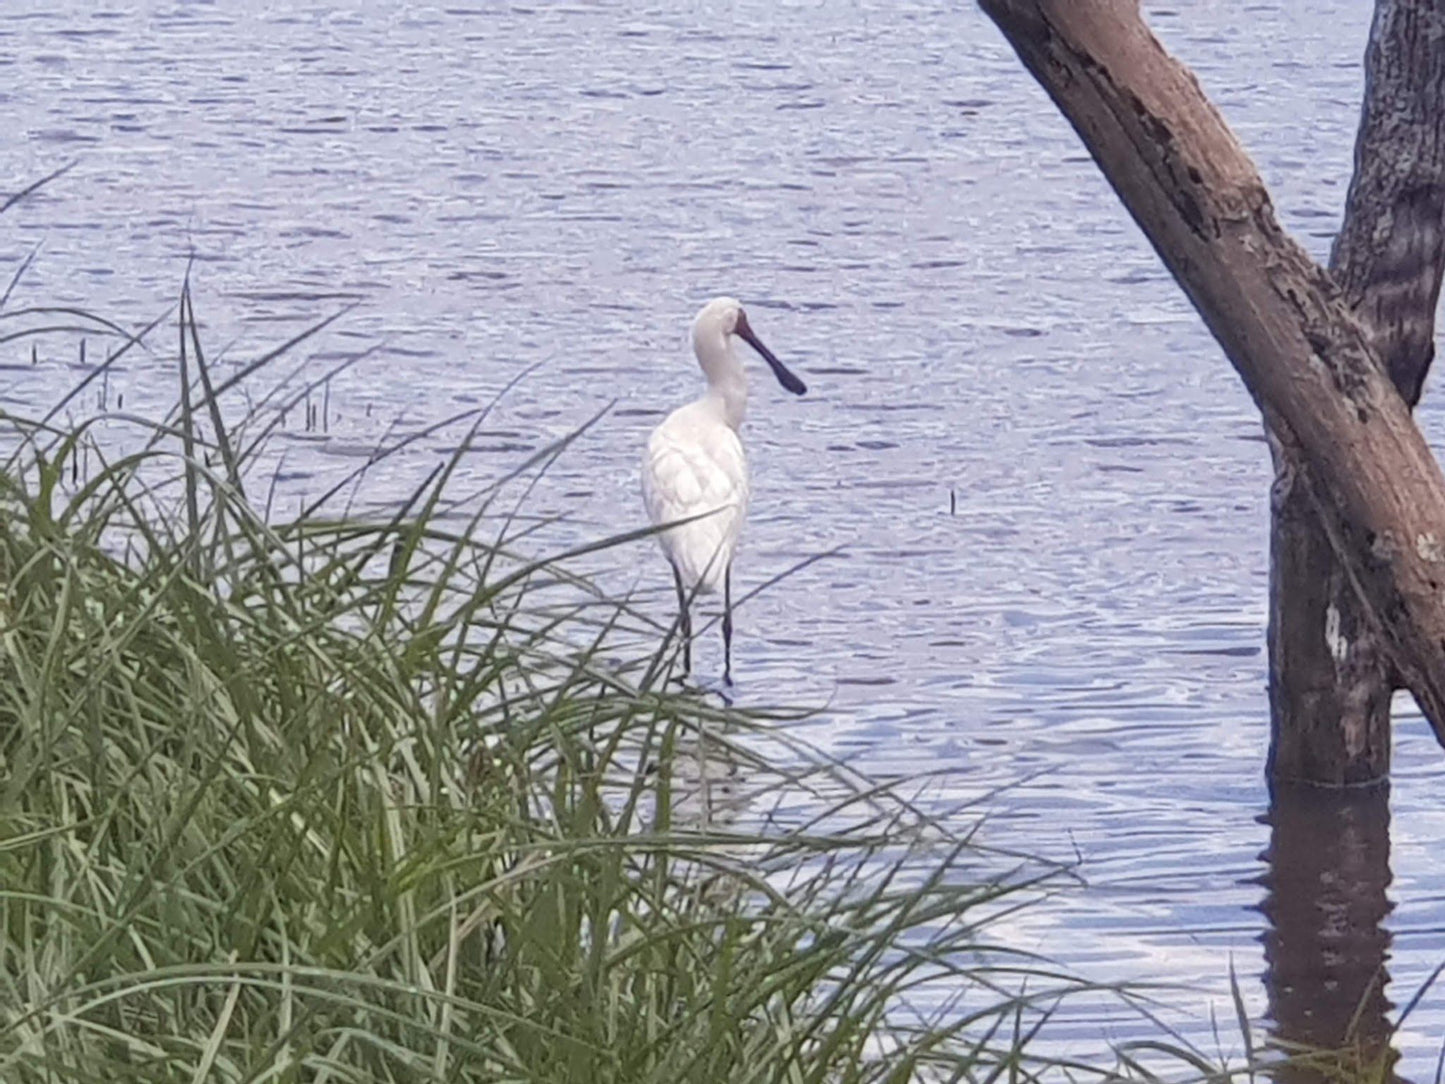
346,798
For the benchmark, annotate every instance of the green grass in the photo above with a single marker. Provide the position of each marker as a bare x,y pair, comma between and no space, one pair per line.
340,799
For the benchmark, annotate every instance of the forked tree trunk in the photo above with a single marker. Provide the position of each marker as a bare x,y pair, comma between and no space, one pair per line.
1281,319
1330,680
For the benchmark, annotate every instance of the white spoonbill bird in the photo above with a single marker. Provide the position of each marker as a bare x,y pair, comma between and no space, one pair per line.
695,467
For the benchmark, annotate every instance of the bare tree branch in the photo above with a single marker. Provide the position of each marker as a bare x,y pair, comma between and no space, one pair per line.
1280,318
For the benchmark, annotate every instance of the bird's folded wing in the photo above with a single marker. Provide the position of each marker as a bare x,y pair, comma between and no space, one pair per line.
689,477
683,478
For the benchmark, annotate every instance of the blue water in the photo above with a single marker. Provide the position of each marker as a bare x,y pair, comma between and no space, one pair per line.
1048,485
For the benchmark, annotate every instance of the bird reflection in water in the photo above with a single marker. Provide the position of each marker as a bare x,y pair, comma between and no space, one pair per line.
1325,948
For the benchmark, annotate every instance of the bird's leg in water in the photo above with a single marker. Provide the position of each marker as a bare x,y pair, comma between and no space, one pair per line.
728,626
684,620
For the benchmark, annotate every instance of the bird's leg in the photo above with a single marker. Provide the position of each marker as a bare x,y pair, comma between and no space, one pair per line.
728,625
684,620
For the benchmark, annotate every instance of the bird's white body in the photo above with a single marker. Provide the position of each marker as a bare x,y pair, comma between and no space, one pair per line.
695,466
695,469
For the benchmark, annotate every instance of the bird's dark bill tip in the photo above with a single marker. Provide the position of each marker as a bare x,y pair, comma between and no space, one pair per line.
785,376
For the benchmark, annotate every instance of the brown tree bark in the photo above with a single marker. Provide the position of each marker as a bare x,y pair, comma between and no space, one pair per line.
1281,319
1330,680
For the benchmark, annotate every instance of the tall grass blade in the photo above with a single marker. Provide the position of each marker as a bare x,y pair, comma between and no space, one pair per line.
36,186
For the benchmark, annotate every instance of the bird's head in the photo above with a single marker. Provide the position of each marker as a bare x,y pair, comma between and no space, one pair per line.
712,331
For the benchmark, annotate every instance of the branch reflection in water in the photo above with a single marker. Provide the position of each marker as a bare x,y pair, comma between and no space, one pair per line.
1325,949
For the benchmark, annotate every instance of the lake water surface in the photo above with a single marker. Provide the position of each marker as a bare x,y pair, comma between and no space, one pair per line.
1048,485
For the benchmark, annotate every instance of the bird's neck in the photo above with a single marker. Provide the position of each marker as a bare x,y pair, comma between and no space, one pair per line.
730,399
727,384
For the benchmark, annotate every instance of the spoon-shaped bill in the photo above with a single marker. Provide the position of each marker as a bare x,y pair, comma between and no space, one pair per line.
785,376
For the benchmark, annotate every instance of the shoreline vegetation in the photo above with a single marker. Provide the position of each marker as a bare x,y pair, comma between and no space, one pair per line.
340,798
347,799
